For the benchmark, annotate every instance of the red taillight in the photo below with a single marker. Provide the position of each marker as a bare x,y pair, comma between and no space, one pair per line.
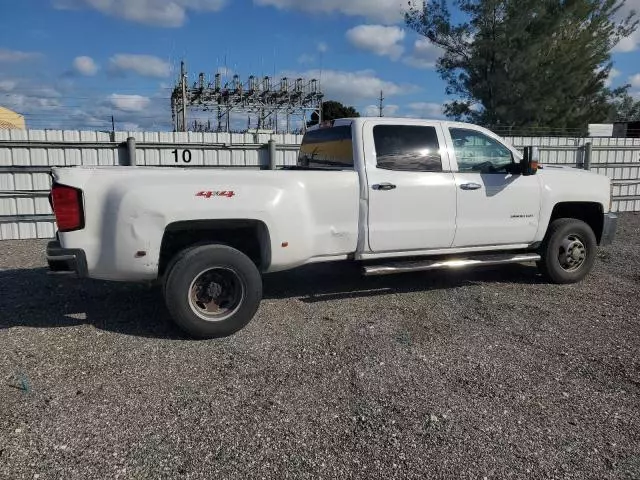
67,207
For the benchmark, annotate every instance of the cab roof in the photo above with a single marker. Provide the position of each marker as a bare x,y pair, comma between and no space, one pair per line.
358,120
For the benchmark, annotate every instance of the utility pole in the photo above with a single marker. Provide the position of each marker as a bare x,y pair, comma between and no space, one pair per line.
183,75
381,107
113,125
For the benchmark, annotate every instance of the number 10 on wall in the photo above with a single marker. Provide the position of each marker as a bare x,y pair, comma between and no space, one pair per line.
186,156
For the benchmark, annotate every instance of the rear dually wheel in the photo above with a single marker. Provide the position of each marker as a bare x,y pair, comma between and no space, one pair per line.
212,291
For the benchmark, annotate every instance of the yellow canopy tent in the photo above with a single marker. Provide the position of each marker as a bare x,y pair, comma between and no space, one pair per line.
10,119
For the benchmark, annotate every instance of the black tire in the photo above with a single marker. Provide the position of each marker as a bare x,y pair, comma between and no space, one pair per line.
557,265
203,274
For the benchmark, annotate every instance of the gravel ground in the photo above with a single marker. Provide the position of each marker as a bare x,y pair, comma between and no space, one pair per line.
486,374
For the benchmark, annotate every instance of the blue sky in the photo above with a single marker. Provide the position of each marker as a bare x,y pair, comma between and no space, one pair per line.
74,63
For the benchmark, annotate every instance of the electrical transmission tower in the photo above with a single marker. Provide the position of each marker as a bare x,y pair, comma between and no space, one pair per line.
381,105
262,99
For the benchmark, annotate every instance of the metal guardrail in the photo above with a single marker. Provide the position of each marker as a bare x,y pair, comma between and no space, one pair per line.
626,182
24,193
615,165
633,148
42,169
45,217
599,148
27,168
43,144
26,144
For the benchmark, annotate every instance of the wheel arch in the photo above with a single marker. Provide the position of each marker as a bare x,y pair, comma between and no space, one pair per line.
592,213
251,237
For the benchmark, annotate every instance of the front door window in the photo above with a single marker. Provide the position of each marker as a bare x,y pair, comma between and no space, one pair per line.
479,153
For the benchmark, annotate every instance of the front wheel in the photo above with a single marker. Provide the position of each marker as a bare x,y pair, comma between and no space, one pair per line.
212,291
568,251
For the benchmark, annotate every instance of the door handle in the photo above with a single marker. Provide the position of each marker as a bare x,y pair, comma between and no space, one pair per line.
470,186
383,186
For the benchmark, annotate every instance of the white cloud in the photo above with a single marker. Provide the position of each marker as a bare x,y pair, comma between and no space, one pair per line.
143,65
374,110
353,87
224,71
129,103
391,110
163,13
634,80
30,99
628,44
306,59
7,85
424,55
7,55
426,110
371,111
613,73
85,66
131,127
381,40
41,91
632,42
130,112
50,106
129,121
29,103
385,11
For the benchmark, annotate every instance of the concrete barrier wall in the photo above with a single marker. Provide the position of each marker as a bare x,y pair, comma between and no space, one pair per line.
26,157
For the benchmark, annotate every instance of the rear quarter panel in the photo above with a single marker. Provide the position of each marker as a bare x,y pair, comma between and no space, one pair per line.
128,208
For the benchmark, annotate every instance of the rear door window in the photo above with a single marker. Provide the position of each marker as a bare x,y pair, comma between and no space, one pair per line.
327,148
407,148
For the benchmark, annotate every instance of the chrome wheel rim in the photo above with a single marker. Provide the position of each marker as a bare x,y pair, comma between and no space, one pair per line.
572,253
215,294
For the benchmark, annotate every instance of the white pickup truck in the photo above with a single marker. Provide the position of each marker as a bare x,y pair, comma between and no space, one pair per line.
392,194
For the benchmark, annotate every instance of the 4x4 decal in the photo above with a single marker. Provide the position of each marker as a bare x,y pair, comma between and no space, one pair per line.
209,194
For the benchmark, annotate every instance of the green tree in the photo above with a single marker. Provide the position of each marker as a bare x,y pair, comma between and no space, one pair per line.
332,110
625,109
525,63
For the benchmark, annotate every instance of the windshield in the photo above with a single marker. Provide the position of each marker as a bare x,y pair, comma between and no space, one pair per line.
329,148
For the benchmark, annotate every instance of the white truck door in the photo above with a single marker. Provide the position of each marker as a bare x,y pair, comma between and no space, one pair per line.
495,205
412,192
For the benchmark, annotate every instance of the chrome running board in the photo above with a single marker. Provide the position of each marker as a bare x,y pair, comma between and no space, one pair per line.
475,261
